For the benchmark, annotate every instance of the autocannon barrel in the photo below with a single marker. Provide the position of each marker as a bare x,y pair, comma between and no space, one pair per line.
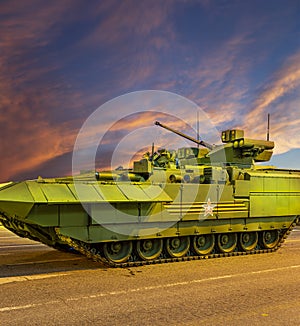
199,142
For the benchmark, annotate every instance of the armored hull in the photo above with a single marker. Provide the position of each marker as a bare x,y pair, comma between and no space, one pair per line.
251,215
160,211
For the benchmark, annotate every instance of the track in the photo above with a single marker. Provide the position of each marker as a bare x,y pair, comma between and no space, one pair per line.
93,253
53,238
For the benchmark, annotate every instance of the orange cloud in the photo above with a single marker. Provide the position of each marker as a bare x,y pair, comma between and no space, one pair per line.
284,81
285,117
28,136
28,140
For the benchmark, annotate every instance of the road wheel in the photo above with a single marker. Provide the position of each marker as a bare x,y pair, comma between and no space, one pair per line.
203,244
149,249
269,239
177,247
117,252
227,242
248,240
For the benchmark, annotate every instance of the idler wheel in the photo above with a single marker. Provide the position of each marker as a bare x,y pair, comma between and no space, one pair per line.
269,239
227,242
248,240
177,247
149,249
118,251
203,244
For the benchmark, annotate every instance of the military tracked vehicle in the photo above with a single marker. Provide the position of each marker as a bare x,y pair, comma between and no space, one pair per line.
187,204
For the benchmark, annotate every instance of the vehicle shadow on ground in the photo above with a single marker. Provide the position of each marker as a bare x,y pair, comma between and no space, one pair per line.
44,261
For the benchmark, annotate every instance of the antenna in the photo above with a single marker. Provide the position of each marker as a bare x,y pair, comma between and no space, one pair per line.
198,136
268,128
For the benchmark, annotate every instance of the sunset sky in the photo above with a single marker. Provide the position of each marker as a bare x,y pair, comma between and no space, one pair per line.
60,60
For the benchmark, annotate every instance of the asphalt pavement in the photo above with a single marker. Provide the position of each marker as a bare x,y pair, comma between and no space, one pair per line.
42,286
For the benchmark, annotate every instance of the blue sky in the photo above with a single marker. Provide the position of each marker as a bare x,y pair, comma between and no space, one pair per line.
61,60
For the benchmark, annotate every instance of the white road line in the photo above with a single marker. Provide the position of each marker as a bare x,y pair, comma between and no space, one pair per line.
27,245
145,288
44,262
29,278
29,306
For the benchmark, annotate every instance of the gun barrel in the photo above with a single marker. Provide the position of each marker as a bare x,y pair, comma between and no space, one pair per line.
199,142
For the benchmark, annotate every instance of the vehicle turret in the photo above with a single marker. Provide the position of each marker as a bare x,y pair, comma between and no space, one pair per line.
236,150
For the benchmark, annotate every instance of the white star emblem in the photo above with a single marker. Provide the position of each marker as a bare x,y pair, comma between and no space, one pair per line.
208,208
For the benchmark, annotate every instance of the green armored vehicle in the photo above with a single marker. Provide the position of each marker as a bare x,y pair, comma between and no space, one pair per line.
187,204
